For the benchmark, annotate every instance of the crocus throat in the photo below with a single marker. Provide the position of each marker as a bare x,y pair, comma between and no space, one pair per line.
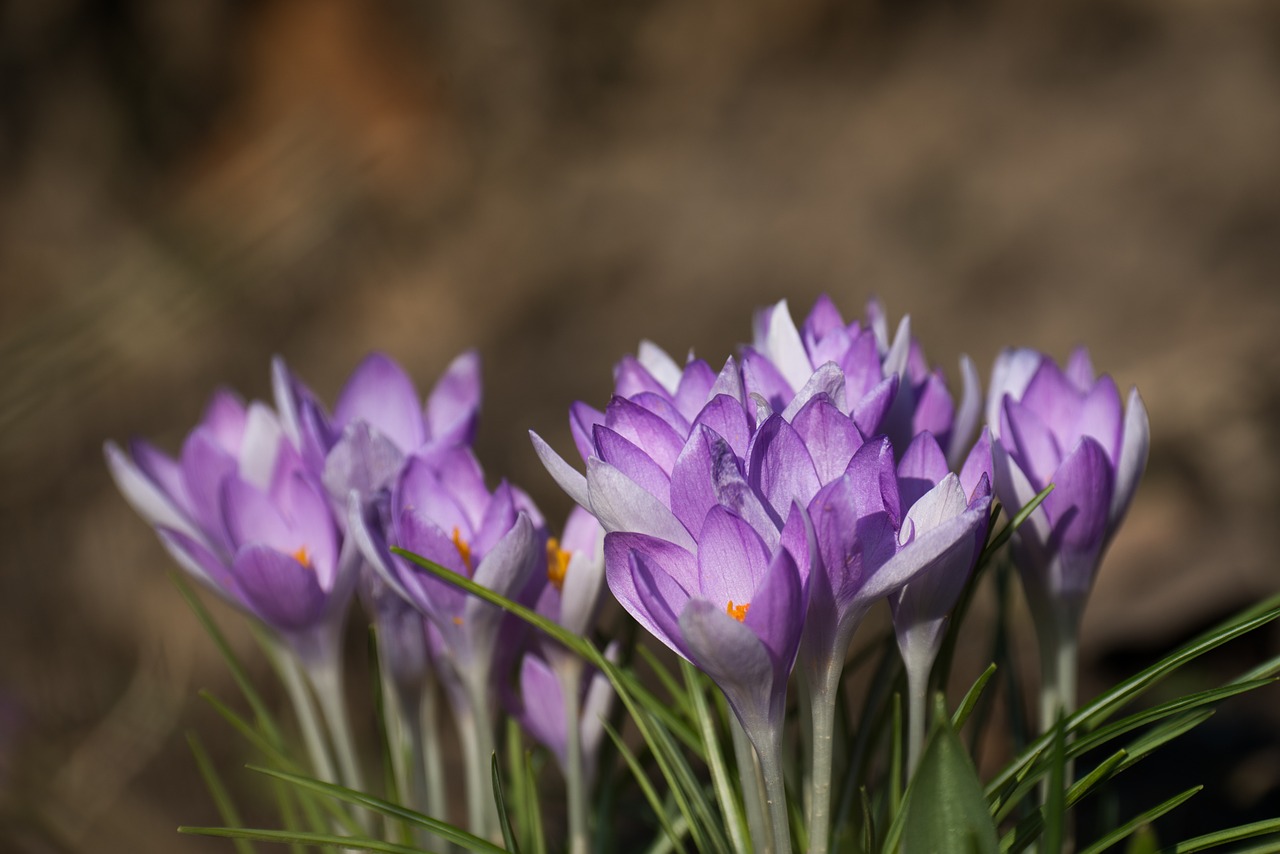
464,549
557,563
738,612
303,557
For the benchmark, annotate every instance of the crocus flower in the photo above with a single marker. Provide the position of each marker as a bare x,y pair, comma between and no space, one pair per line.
1068,428
240,513
1064,427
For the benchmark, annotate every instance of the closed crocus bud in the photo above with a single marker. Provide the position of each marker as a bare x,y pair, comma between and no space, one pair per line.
1064,427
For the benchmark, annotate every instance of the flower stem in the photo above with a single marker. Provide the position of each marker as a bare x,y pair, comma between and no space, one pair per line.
1059,660
917,696
326,679
475,727
776,792
427,756
570,673
825,690
308,719
752,786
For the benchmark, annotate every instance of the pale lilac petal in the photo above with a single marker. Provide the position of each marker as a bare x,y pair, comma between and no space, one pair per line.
279,589
941,503
1012,371
737,661
633,462
661,366
732,559
161,469
761,378
709,473
664,407
145,496
694,389
623,505
1052,397
582,533
934,409
285,390
861,366
830,436
572,481
309,517
879,323
1032,442
381,393
454,404
224,418
1080,369
631,377
922,467
205,465
252,519
784,348
506,567
659,601
499,517
1133,457
1015,491
420,490
580,593
779,467
729,382
827,380
966,413
777,611
434,597
676,562
977,464
544,712
363,460
895,360
824,318
920,554
1100,416
199,562
261,446
364,529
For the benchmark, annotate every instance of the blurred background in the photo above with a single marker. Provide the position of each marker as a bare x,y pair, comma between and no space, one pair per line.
187,188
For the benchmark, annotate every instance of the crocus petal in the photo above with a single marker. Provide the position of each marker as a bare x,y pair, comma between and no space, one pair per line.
737,661
1079,369
161,469
144,495
363,460
823,318
729,382
664,407
919,555
582,421
253,519
1010,374
934,409
944,501
777,610
633,462
1100,416
623,505
1055,400
421,490
580,593
364,530
861,366
645,429
663,368
732,559
761,377
205,465
224,418
381,393
895,361
779,467
830,436
261,445
572,481
675,562
544,712
1032,442
1133,457
659,598
1015,491
695,388
784,348
1078,509
966,413
200,563
709,473
827,380
728,419
278,588
977,464
922,467
454,404
507,565
284,389
871,411
313,525
631,377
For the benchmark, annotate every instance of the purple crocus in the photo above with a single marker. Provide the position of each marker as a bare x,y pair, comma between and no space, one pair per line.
1063,427
241,514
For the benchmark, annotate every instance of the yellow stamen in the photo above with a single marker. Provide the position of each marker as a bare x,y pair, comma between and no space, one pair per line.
738,612
557,563
303,557
464,549
457,621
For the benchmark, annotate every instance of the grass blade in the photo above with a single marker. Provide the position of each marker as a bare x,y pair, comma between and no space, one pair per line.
1137,821
1226,837
221,799
503,819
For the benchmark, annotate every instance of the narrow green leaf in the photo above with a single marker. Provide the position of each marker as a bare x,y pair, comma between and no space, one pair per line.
1133,824
221,799
679,697
730,809
533,809
655,803
503,819
1143,842
1016,522
361,799
1029,829
971,698
327,840
1055,805
895,757
945,808
1226,837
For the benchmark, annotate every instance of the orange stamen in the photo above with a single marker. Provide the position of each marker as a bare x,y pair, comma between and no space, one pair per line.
303,557
738,612
557,563
457,621
464,549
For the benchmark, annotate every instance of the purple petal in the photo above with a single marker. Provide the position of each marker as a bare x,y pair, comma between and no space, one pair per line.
761,377
381,393
623,505
202,564
779,467
729,382
709,473
871,411
861,366
1079,369
676,562
633,462
582,421
977,464
784,348
922,467
421,490
1078,509
659,599
661,366
966,413
499,516
732,559
1012,371
1055,400
252,519
1133,457
935,411
1014,490
664,407
224,418
454,404
363,460
830,436
646,430
434,597
694,389
631,377
205,466
366,530
260,450
895,360
1100,417
737,661
1032,442
279,589
824,318
921,553
313,526
728,419
777,611
144,495
573,482
506,567
544,712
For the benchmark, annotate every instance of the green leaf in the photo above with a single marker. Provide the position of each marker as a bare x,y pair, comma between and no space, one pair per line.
503,819
1143,842
945,809
1055,805
533,809
328,840
1226,837
1016,522
730,809
655,803
442,829
1138,821
226,807
971,698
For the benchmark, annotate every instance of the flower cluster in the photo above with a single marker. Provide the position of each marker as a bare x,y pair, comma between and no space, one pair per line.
747,517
